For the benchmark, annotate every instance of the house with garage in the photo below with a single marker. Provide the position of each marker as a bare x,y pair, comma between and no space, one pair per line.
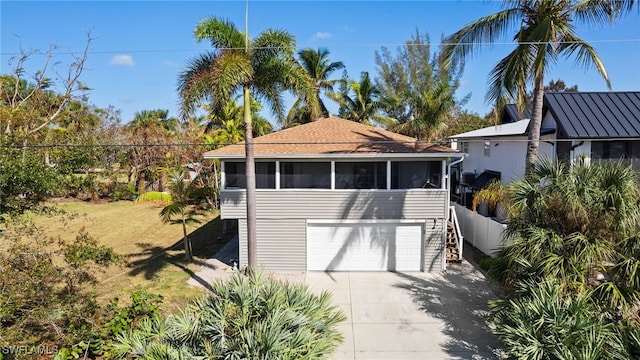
594,126
336,195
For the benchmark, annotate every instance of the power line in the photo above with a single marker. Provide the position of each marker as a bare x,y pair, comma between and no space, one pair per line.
604,41
381,142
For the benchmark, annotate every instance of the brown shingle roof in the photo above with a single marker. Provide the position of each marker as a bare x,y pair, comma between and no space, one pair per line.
331,136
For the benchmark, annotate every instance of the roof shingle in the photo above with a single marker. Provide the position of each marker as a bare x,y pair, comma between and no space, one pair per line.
331,136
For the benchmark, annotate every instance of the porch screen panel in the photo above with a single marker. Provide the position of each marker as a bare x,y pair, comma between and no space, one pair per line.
235,174
361,175
416,174
307,175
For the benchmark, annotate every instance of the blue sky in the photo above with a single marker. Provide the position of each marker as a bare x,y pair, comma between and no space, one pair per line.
140,47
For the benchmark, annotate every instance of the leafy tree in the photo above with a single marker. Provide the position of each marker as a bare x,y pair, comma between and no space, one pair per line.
422,93
263,68
462,121
244,317
26,108
317,64
362,102
182,194
545,33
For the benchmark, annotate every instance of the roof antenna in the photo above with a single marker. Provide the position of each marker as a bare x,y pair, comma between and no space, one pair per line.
246,26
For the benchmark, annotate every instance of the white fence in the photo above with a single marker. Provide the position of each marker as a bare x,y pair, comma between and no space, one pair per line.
480,231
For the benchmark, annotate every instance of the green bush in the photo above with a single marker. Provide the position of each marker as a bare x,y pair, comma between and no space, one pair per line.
245,317
24,181
485,263
548,322
43,290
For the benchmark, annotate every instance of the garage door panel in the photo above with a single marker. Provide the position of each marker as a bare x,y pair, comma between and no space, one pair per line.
364,247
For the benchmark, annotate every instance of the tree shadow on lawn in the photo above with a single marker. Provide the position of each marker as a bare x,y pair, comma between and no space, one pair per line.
459,297
206,240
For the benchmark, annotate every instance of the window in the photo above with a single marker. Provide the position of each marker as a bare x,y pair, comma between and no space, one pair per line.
626,151
415,174
235,174
464,146
311,175
361,175
487,148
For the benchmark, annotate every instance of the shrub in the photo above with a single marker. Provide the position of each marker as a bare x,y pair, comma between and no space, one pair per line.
43,286
245,317
547,322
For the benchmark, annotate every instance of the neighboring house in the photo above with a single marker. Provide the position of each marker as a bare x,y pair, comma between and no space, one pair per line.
338,195
595,125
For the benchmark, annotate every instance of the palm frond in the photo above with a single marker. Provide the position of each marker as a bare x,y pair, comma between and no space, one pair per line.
488,29
222,33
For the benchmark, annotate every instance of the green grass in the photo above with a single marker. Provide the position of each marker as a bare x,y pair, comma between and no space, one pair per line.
151,249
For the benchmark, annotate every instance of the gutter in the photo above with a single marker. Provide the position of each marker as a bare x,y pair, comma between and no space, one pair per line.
449,181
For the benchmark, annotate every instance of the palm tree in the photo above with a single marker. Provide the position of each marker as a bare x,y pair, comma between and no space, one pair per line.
316,64
362,102
244,317
230,118
151,127
570,223
263,67
544,32
182,193
430,112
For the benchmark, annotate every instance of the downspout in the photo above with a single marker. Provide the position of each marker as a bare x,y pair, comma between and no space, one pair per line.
449,182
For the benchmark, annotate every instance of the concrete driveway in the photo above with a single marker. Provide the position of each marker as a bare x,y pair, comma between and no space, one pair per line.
412,315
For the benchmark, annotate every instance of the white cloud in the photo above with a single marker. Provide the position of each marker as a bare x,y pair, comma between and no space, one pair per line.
122,60
322,35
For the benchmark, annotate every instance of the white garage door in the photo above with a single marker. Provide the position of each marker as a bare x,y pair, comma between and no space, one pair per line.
364,247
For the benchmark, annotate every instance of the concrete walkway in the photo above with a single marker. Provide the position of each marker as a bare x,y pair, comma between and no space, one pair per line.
412,315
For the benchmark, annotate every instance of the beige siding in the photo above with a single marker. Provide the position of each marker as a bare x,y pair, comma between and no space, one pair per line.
282,244
242,236
336,204
281,219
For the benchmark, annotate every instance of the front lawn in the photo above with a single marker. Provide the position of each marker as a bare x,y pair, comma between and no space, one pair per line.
151,249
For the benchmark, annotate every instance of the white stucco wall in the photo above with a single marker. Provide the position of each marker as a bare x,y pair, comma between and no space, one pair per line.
506,155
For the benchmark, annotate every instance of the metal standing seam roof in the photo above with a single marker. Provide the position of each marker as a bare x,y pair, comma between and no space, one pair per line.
332,137
595,114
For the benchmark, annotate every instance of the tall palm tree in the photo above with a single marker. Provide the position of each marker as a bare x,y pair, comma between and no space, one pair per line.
545,32
362,102
316,63
263,68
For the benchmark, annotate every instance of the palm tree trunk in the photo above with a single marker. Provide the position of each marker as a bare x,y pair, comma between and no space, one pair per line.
251,181
185,239
535,124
